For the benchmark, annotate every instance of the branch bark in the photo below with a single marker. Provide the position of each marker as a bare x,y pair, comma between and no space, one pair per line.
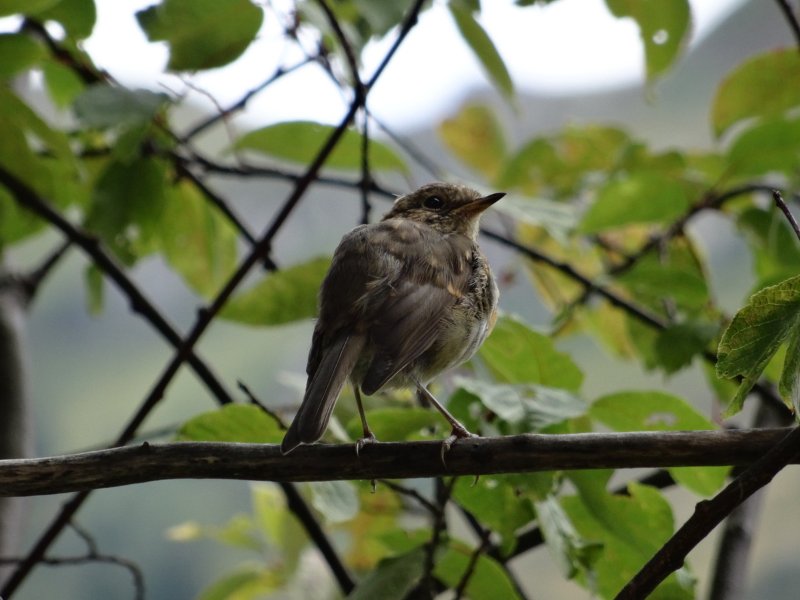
392,460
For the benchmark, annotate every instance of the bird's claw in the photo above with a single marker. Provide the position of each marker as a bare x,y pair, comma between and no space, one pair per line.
459,432
369,438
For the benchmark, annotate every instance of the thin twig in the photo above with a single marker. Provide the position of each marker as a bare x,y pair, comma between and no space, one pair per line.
708,514
776,196
186,347
366,175
33,280
472,564
29,199
791,19
256,402
438,526
411,493
241,103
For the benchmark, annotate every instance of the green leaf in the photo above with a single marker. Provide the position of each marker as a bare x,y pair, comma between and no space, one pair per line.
394,424
515,353
94,289
573,553
300,142
616,523
197,240
20,52
652,282
26,7
483,47
560,165
678,344
232,423
659,411
557,218
641,197
770,317
489,580
768,147
496,504
475,136
103,105
336,500
77,16
202,34
534,407
280,297
392,579
759,87
663,27
772,242
128,205
63,84
248,581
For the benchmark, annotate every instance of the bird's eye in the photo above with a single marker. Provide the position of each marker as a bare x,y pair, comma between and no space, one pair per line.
433,202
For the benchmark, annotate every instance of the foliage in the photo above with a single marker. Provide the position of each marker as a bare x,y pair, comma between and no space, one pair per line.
604,217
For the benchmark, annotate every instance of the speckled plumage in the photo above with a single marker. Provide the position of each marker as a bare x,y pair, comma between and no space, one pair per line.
404,300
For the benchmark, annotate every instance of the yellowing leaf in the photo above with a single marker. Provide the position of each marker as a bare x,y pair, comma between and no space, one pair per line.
300,142
770,317
763,86
475,137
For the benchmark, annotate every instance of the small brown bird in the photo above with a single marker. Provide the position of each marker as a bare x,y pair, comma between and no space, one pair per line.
404,299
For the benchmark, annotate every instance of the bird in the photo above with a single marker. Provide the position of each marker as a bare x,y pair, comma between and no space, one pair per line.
403,300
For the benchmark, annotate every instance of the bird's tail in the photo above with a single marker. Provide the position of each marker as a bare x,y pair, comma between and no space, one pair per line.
322,391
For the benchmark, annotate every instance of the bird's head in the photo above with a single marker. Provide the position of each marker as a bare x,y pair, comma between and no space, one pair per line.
446,207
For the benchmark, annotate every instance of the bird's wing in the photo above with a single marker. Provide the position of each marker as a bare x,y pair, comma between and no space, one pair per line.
429,275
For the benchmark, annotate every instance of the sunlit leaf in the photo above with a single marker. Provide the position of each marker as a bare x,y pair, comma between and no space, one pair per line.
759,87
515,353
232,423
197,240
474,135
663,27
281,297
642,197
483,47
770,317
249,581
659,411
202,34
301,141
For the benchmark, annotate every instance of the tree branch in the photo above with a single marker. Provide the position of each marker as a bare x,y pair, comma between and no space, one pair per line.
709,513
388,460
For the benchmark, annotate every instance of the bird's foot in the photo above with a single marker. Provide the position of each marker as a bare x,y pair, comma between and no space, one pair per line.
459,432
369,438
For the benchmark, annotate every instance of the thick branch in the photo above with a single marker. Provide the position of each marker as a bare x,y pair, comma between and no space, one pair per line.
392,460
709,513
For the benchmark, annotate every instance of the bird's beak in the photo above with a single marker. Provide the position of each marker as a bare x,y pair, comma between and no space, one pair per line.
481,204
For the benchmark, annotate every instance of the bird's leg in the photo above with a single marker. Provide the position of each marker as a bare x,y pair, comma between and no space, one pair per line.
458,432
368,437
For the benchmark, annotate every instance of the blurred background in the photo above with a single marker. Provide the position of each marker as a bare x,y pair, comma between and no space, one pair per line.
89,372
